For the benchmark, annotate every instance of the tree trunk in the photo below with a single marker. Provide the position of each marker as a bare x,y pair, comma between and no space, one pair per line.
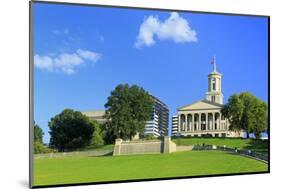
257,135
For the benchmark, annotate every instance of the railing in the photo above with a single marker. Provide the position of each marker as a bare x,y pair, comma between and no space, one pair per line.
250,153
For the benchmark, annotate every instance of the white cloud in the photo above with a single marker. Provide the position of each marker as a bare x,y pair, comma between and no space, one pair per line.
93,56
65,62
175,28
43,62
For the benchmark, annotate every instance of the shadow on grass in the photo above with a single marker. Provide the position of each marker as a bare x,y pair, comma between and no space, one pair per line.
248,156
109,154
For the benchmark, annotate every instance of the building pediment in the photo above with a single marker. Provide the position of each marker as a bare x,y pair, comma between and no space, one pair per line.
201,105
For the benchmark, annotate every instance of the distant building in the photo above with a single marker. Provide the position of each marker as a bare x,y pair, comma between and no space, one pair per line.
159,122
97,115
174,125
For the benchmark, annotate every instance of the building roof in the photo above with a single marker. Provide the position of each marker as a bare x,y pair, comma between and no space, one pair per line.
157,100
94,113
215,73
201,104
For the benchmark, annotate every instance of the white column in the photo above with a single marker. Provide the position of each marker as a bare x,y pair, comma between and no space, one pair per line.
207,121
188,123
219,121
192,124
210,124
213,121
179,123
185,122
199,122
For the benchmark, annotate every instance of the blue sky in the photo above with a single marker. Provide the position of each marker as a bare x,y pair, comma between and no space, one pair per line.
82,53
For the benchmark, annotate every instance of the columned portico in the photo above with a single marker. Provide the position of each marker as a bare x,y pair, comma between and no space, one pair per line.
201,121
202,118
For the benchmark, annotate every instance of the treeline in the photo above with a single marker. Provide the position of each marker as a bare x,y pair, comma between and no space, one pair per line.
38,145
127,110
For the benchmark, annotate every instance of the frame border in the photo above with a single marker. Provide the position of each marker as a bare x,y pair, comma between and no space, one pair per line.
31,95
31,92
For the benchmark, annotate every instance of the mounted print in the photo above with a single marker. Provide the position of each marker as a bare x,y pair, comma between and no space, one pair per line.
122,94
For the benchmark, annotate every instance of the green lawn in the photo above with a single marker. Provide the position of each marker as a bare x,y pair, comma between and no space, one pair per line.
50,171
255,145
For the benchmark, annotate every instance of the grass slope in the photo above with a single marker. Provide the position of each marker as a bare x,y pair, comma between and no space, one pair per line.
109,168
255,145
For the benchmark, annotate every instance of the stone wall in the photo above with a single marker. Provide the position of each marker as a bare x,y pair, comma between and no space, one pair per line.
169,146
144,147
70,154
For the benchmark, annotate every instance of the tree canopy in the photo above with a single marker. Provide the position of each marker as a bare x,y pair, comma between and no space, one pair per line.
38,134
38,146
70,130
246,112
97,139
127,110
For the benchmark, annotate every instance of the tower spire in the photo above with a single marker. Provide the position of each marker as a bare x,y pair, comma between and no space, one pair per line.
215,63
214,93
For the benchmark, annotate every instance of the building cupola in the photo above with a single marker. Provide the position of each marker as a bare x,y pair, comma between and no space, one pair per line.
214,93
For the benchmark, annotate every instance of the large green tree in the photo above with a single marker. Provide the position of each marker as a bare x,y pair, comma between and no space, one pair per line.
70,130
260,118
233,110
246,112
127,110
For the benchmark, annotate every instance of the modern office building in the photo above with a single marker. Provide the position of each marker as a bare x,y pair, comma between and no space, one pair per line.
159,122
152,126
174,125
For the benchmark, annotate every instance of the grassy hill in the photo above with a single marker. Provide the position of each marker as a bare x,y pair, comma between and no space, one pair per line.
49,171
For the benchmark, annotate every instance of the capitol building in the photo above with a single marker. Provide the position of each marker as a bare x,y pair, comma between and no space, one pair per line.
204,117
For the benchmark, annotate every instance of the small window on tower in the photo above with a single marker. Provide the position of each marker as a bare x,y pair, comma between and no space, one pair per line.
214,84
213,98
